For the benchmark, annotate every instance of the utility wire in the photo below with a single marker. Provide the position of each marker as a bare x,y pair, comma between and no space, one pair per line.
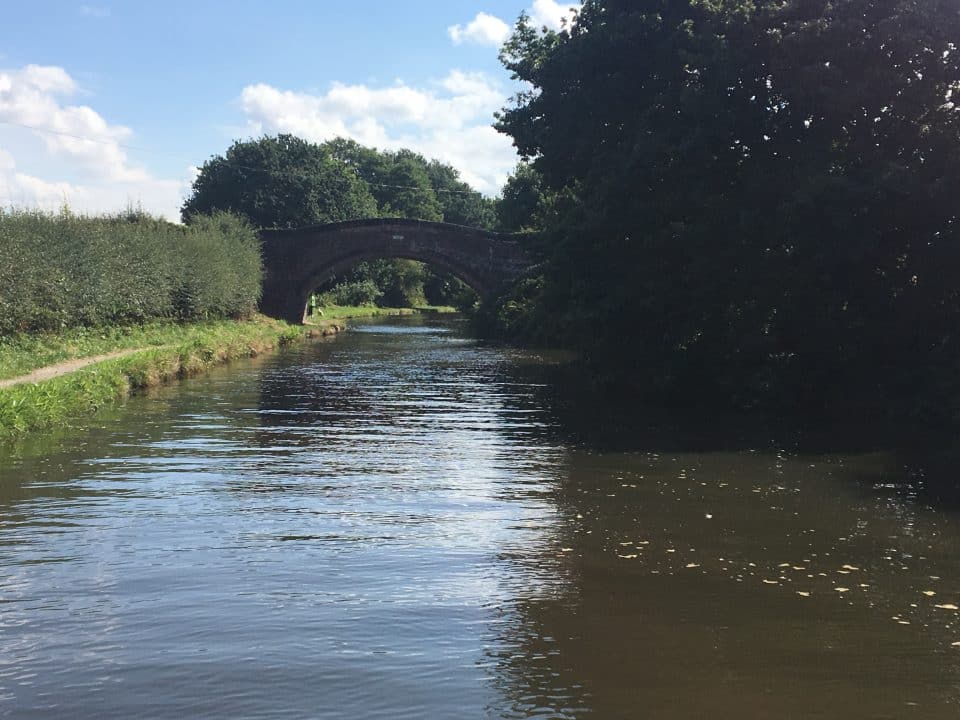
274,173
76,137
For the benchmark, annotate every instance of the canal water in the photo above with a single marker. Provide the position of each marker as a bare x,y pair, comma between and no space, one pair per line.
406,523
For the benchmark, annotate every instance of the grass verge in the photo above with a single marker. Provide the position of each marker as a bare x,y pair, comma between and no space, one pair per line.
347,312
19,354
190,349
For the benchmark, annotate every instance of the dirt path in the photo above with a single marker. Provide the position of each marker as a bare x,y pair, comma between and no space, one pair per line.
63,368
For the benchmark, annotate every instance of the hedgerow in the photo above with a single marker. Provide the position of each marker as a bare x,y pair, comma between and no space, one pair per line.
63,270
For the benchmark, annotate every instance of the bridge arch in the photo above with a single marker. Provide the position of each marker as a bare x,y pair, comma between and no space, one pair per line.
298,261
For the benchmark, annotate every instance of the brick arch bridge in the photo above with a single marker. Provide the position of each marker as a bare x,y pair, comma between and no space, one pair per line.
297,262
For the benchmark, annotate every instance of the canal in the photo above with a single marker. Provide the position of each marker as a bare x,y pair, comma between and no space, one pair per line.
406,523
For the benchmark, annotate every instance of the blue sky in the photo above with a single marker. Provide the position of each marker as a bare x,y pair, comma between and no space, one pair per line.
107,104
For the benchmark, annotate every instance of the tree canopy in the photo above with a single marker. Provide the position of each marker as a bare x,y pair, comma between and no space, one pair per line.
285,181
754,201
280,182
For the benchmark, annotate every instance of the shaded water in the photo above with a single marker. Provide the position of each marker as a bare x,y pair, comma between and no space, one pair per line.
403,523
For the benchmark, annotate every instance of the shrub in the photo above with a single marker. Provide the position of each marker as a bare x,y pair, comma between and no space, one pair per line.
64,270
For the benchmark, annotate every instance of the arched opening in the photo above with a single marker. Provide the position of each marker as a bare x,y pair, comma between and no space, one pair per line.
389,282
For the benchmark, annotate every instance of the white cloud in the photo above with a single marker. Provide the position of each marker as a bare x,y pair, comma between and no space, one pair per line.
96,11
550,13
158,197
484,29
74,142
450,121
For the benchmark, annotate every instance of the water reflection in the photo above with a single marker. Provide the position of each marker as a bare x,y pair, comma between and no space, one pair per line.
406,523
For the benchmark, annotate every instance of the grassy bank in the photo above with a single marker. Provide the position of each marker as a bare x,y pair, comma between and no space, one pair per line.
161,352
171,351
345,312
20,354
333,314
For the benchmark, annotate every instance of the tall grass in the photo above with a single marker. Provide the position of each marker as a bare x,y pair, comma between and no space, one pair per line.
62,270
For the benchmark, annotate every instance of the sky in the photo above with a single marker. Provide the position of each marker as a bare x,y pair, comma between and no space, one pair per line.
104,105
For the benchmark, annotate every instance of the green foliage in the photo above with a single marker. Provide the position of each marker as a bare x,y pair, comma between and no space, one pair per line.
188,349
351,293
751,202
401,282
459,203
220,268
280,182
61,271
520,313
444,289
521,200
407,191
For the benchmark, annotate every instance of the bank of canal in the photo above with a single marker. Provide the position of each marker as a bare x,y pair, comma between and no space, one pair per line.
406,523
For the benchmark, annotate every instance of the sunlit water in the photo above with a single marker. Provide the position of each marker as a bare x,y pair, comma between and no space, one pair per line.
403,523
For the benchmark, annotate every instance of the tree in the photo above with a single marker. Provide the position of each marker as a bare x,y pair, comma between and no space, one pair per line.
460,204
752,201
406,190
521,199
280,182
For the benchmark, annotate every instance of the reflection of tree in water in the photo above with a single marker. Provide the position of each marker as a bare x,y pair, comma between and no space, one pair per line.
705,584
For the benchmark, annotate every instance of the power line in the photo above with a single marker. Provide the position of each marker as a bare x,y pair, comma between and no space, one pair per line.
233,164
76,137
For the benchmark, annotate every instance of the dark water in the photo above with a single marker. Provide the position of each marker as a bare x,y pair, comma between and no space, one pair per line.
405,524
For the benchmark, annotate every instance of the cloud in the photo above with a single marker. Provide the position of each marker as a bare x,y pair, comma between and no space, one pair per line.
449,121
484,29
40,129
32,98
23,190
96,11
549,13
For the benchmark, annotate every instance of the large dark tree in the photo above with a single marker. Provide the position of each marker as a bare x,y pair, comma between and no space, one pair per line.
757,200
